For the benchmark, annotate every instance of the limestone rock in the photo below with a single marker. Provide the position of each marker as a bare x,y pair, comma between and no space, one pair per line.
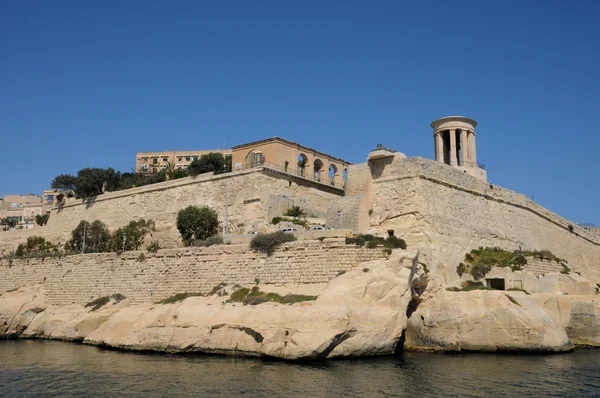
484,321
362,312
18,308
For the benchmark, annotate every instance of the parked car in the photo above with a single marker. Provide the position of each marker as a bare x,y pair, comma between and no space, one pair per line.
289,230
317,228
253,233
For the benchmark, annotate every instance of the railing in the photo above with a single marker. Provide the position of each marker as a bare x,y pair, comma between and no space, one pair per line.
471,164
321,177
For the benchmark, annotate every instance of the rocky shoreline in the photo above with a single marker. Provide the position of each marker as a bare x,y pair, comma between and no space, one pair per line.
379,308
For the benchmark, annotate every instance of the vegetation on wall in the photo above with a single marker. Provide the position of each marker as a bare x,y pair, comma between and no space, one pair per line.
480,261
36,246
256,296
211,162
131,236
97,238
197,223
267,243
42,219
295,211
91,182
372,242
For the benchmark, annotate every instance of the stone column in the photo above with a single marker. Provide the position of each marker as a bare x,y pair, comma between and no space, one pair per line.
464,147
472,148
453,157
439,147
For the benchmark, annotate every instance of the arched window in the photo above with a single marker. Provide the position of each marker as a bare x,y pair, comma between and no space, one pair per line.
285,166
302,161
255,158
345,176
318,166
332,173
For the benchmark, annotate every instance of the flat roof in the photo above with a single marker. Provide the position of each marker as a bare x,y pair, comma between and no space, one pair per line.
290,143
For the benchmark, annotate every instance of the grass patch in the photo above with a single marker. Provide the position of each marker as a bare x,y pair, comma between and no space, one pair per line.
215,289
256,296
321,238
178,297
102,301
268,243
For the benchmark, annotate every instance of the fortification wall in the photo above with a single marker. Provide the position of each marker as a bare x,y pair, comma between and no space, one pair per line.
250,197
446,213
149,277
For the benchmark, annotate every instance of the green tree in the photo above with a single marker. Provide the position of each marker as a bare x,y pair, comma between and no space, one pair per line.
97,237
64,182
212,161
42,219
90,182
8,223
35,246
197,223
131,236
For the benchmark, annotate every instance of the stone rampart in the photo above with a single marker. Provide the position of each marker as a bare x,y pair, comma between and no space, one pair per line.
149,277
249,193
446,213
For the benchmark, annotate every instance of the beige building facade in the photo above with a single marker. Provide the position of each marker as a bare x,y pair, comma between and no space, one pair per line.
153,162
22,208
291,158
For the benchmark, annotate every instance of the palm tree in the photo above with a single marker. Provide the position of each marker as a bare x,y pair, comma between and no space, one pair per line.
170,169
295,211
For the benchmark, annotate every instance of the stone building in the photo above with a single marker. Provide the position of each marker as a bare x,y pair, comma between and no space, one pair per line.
291,158
152,162
454,138
22,208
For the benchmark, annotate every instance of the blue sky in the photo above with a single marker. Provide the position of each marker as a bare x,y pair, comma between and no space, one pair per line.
89,84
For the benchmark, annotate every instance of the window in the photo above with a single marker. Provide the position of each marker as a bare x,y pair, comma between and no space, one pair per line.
50,199
180,158
195,157
165,158
154,160
187,158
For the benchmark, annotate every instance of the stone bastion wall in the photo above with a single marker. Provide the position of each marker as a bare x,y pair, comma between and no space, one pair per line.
254,197
446,213
150,277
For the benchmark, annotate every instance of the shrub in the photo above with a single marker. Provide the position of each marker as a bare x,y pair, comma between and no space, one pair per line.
461,269
393,242
213,240
132,235
42,220
565,269
153,246
321,238
470,285
255,297
571,228
276,220
197,223
267,243
479,270
387,251
177,173
36,246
